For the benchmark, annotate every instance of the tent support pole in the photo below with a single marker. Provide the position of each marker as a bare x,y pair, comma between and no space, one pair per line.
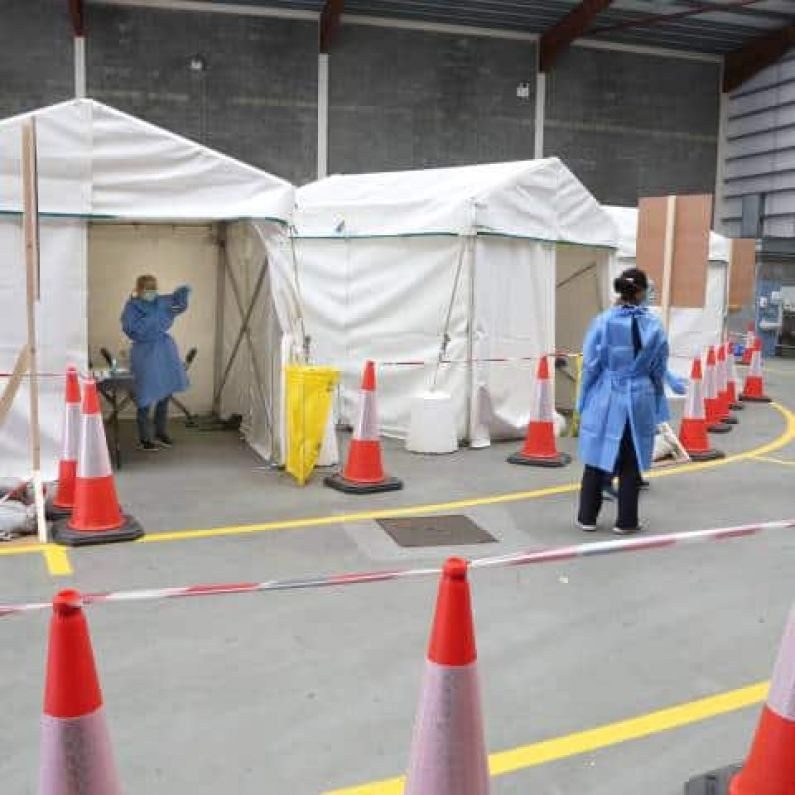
470,345
32,272
220,290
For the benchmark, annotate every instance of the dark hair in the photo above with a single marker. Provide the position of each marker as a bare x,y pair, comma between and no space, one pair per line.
631,282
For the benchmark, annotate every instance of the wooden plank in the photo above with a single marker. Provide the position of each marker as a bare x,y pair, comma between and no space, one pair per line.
650,252
742,272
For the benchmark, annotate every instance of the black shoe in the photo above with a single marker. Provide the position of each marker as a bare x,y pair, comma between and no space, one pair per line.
148,447
643,484
164,440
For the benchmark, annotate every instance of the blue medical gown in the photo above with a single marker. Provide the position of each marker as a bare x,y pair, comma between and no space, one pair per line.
154,359
619,387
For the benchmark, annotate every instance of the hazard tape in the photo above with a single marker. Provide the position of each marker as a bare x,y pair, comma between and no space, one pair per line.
526,558
488,359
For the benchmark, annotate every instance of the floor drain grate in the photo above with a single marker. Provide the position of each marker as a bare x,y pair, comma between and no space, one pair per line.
435,531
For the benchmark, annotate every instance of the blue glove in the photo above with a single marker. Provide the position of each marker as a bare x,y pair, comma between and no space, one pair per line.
678,385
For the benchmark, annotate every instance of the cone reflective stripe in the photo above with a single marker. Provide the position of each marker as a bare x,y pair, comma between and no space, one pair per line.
76,754
754,389
734,403
539,447
364,469
67,467
711,398
693,430
96,515
722,374
750,344
448,750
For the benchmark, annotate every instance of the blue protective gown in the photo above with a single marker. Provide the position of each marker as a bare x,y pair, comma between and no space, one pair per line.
154,359
618,387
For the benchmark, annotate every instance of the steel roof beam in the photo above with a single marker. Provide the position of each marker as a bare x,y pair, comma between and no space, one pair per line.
571,27
330,23
743,64
78,17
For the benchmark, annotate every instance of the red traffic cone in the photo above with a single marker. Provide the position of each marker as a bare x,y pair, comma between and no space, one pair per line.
750,344
754,389
364,469
731,371
76,754
61,504
693,430
96,516
770,767
448,750
711,399
724,399
539,447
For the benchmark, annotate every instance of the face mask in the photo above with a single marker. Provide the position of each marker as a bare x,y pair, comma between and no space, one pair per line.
149,295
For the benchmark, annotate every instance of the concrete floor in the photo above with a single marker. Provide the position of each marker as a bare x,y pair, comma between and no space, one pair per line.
307,692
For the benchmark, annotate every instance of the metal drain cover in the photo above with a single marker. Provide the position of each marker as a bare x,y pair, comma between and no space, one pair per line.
435,531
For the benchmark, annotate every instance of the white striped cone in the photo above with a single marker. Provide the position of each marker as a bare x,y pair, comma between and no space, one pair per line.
693,430
734,402
76,753
754,389
711,397
750,345
722,373
64,498
448,750
96,516
364,470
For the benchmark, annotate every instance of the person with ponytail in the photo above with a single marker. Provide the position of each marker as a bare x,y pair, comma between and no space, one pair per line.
622,399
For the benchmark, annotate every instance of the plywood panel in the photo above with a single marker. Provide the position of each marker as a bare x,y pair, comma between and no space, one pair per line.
651,238
742,270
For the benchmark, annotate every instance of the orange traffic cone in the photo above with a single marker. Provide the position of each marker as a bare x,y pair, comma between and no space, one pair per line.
750,344
76,754
770,767
364,470
754,389
96,516
711,400
61,504
448,750
724,399
693,431
539,447
731,371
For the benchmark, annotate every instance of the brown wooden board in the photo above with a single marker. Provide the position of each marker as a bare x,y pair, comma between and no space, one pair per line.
742,271
650,254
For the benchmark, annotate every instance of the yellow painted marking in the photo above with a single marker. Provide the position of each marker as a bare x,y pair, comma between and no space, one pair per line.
498,499
20,548
771,460
527,756
57,561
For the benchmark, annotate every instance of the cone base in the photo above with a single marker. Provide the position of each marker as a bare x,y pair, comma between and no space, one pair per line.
706,455
730,420
754,399
716,782
559,460
737,407
340,483
719,427
55,512
64,535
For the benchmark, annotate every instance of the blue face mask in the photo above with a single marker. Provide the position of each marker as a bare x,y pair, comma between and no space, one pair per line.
149,295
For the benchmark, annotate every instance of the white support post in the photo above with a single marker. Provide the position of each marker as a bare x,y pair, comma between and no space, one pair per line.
541,101
80,66
668,260
720,168
322,115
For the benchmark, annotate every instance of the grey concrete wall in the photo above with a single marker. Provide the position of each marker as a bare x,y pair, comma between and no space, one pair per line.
36,55
403,99
257,99
634,125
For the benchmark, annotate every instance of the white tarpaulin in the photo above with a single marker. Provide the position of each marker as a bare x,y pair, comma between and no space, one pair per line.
98,164
690,330
388,264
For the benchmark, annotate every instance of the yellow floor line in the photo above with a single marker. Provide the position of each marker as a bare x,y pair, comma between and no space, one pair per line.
57,560
517,496
540,753
772,460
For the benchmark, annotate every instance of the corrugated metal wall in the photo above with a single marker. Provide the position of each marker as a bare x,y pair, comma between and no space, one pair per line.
760,150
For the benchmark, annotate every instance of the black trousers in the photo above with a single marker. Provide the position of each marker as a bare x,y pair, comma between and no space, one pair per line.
628,474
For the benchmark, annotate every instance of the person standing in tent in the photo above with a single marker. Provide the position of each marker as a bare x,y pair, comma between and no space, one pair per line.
622,399
155,361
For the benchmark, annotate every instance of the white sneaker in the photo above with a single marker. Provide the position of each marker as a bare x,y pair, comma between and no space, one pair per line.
586,528
627,531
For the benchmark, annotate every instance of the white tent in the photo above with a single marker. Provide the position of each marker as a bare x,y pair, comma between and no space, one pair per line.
690,330
96,166
505,260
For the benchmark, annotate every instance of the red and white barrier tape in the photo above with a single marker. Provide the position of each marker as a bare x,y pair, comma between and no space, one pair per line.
526,558
488,359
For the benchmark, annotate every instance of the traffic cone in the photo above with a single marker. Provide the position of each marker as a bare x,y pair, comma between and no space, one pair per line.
750,344
62,503
722,373
96,516
693,430
76,754
448,750
754,389
364,470
711,400
731,371
539,447
770,767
